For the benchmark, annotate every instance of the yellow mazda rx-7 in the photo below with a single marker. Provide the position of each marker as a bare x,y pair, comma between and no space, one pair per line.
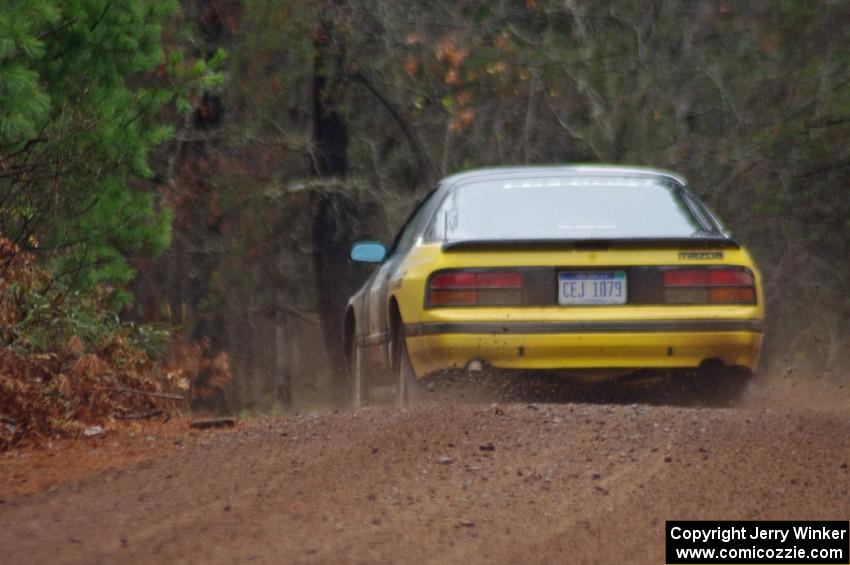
601,272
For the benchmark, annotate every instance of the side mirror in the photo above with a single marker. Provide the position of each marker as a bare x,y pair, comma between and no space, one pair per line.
368,252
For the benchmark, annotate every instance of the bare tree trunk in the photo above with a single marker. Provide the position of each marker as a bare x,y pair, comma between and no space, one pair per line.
330,133
330,136
283,364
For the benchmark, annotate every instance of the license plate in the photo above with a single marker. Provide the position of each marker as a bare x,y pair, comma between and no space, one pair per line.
592,287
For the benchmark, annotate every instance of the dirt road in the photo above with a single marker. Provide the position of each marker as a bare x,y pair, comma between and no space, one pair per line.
514,482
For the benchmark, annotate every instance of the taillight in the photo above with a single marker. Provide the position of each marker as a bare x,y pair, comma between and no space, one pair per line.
475,288
454,280
453,297
739,295
711,285
707,277
499,280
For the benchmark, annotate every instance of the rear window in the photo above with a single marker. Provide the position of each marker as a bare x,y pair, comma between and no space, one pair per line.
565,208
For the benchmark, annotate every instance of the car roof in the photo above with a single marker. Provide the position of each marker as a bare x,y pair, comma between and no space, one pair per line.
495,173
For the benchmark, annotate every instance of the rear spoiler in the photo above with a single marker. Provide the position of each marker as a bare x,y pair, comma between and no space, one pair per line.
593,244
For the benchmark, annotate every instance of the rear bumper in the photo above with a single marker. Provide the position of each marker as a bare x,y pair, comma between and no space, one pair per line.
584,345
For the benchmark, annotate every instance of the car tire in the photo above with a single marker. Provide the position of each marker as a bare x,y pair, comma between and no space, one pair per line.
358,382
405,379
720,386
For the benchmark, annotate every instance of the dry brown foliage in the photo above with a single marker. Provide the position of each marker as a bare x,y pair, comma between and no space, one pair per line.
191,366
60,392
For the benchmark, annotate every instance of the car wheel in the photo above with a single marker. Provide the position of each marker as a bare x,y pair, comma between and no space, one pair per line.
720,386
358,382
405,379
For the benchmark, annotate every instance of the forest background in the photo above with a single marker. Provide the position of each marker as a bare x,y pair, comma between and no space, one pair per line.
183,180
